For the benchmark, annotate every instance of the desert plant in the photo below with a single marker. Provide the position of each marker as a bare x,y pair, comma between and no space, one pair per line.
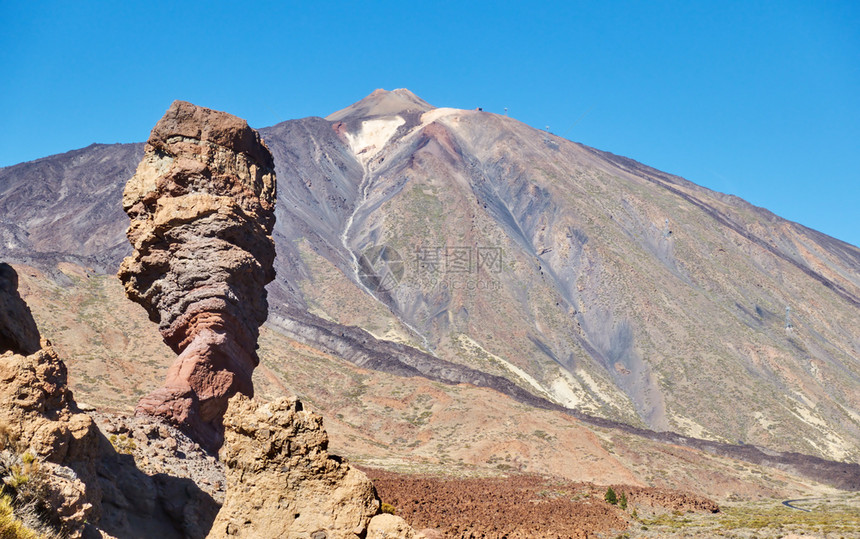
610,496
10,526
122,444
388,508
23,495
22,478
622,501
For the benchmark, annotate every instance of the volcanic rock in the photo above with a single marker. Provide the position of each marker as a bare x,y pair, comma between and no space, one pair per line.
282,482
18,331
39,417
40,424
202,210
385,525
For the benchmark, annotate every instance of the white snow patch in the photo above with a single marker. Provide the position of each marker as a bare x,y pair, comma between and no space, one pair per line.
432,115
372,136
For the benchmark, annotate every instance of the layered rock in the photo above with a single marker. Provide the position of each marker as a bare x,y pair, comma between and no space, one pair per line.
282,482
202,210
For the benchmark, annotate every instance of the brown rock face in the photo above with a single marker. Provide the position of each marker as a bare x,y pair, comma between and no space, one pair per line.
281,481
39,419
202,209
18,331
38,416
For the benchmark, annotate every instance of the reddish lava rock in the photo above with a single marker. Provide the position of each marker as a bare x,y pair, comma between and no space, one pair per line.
519,506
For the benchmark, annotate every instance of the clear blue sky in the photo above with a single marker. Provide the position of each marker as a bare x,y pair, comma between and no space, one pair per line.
757,99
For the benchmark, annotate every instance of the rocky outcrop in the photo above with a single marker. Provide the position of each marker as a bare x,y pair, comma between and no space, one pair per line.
40,422
48,447
202,209
18,331
671,500
386,526
65,476
282,482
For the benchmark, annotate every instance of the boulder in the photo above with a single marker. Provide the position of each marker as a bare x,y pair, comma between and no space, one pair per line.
49,442
282,482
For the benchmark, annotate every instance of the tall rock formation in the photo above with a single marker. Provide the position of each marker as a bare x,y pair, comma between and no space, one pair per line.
202,210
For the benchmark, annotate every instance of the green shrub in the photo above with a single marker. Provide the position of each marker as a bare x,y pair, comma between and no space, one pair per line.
610,496
388,508
622,501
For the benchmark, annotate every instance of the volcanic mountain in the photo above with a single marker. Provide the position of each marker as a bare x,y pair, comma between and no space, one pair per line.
467,247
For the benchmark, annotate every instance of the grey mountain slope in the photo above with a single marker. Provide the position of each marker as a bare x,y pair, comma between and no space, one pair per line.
67,206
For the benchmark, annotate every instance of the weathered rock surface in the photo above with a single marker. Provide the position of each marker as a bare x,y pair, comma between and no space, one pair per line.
202,210
18,331
56,461
39,417
668,499
282,482
387,526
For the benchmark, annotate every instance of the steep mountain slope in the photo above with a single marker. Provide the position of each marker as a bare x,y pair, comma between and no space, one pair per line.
63,207
622,291
402,421
584,278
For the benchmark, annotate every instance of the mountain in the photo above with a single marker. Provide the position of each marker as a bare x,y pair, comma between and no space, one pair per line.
465,246
62,206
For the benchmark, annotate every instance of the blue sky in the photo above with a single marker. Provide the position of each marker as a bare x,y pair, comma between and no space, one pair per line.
757,99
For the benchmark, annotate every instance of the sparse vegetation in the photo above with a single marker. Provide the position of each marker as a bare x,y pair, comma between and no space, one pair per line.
610,496
123,444
388,508
622,501
23,495
834,516
10,526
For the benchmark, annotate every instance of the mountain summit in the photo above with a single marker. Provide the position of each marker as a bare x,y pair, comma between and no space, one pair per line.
585,278
382,103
